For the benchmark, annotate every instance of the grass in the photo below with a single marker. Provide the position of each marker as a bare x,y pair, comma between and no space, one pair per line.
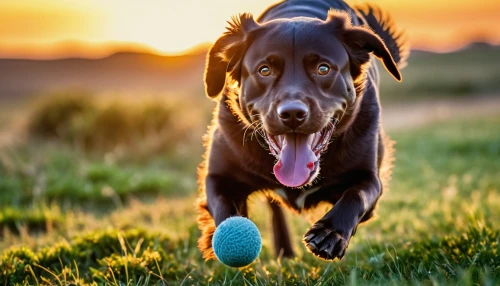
76,147
138,257
68,216
52,171
458,74
89,122
83,202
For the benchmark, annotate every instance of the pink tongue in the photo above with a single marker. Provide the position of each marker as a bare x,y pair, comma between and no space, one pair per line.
296,160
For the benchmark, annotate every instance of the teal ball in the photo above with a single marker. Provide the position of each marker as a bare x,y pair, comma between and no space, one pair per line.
237,242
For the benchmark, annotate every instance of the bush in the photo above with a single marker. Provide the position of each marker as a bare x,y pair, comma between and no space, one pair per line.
144,126
61,115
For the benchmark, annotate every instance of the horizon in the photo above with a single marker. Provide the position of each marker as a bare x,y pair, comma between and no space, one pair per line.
73,49
95,29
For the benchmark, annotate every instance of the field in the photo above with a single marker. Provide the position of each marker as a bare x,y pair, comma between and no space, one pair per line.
103,190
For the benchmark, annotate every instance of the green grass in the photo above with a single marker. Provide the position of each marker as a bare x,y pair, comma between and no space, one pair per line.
52,171
438,223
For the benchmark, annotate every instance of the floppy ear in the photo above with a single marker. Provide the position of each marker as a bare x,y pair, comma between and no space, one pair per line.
363,40
226,54
359,42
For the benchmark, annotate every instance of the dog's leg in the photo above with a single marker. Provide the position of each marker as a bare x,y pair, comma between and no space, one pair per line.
329,237
225,197
282,244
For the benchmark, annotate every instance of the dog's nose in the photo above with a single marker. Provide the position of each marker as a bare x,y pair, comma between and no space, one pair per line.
292,113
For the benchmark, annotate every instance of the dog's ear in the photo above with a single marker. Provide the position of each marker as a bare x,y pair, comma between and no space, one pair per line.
226,54
363,40
359,42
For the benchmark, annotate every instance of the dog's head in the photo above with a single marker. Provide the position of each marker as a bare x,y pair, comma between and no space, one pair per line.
299,78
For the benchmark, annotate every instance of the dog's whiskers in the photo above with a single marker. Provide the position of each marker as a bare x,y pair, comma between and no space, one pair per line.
332,125
258,130
252,125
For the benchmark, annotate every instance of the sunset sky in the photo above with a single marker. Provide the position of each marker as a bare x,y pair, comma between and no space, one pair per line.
60,28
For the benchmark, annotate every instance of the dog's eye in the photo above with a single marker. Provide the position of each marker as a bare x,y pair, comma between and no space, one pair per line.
264,71
323,69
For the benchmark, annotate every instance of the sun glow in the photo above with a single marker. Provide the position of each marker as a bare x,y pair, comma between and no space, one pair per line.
169,26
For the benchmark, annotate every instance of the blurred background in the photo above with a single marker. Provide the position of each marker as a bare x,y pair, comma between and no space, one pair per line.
123,81
102,111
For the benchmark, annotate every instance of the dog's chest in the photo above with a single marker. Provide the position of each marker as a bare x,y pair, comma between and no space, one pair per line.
296,198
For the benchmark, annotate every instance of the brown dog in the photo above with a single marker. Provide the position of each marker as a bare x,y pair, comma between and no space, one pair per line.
298,116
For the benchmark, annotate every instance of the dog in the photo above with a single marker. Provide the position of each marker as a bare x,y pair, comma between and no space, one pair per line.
298,117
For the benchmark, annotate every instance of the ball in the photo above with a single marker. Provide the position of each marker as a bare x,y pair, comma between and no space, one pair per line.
237,242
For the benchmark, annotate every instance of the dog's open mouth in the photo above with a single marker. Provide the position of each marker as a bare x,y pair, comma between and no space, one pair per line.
298,155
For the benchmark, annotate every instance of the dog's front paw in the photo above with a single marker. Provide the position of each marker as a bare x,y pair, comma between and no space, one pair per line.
325,242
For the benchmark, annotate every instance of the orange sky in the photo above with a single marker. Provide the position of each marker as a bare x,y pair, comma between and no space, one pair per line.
36,28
